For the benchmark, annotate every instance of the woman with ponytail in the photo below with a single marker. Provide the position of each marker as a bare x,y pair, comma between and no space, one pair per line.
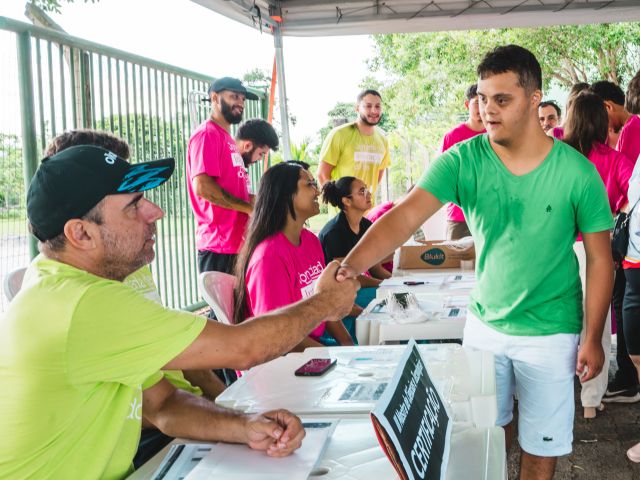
352,197
280,259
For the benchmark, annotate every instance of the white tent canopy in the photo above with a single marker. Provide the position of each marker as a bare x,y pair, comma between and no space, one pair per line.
315,18
308,18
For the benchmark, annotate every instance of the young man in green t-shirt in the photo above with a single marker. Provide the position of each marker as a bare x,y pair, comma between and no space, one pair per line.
81,352
525,196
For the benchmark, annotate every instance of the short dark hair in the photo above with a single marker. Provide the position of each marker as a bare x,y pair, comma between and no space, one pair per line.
516,59
551,103
608,91
366,92
471,92
83,136
260,132
632,99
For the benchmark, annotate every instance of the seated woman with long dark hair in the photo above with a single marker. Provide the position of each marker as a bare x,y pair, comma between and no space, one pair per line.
280,259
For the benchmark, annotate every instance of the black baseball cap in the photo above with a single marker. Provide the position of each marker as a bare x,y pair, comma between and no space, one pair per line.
232,84
70,183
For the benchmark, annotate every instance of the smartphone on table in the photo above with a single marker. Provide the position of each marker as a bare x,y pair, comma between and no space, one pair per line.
315,367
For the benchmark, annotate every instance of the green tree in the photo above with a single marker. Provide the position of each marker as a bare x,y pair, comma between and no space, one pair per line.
430,71
257,78
151,137
11,175
299,151
55,5
148,136
342,112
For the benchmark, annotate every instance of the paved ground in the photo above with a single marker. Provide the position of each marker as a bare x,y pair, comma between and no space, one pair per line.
599,445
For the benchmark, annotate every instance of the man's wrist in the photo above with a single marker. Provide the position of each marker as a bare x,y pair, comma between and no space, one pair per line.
242,427
349,266
324,306
592,339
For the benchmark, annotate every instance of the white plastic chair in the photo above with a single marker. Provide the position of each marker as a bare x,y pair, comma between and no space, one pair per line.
13,283
217,290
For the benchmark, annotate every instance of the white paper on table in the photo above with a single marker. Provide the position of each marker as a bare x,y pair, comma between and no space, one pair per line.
368,358
352,393
460,286
453,301
239,462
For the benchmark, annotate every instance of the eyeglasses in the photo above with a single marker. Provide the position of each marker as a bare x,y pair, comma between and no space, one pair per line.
363,192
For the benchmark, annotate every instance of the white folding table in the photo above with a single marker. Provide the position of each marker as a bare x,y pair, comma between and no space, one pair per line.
466,379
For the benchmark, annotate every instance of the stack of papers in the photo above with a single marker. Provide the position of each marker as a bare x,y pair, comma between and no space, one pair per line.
239,462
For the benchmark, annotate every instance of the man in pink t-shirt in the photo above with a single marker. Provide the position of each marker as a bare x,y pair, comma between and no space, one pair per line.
620,120
456,223
217,177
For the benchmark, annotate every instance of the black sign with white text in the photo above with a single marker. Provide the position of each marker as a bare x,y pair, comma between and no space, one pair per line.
415,420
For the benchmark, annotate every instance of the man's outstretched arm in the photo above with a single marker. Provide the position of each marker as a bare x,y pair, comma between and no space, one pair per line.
389,232
260,339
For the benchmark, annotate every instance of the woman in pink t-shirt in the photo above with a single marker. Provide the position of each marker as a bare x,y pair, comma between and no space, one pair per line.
281,260
586,130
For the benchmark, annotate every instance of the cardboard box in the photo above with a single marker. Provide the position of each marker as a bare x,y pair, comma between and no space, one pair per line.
430,255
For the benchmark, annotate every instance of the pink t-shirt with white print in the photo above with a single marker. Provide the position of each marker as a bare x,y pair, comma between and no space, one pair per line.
456,135
629,139
212,151
280,273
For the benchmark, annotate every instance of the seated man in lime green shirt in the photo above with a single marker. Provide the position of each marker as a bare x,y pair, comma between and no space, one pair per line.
199,382
81,352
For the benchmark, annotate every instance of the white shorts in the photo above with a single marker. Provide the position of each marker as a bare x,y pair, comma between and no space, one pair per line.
540,370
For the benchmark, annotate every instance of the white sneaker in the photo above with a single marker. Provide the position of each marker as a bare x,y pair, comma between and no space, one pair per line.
634,453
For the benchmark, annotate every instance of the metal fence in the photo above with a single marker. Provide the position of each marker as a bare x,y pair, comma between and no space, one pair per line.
51,82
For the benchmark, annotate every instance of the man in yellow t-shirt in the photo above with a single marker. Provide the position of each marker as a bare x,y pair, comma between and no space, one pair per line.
357,149
81,352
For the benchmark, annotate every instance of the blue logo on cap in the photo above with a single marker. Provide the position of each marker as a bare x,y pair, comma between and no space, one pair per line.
142,177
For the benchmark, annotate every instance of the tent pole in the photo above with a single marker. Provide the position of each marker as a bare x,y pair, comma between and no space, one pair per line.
282,93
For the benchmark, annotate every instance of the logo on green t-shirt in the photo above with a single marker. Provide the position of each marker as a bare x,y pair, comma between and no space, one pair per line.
435,256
